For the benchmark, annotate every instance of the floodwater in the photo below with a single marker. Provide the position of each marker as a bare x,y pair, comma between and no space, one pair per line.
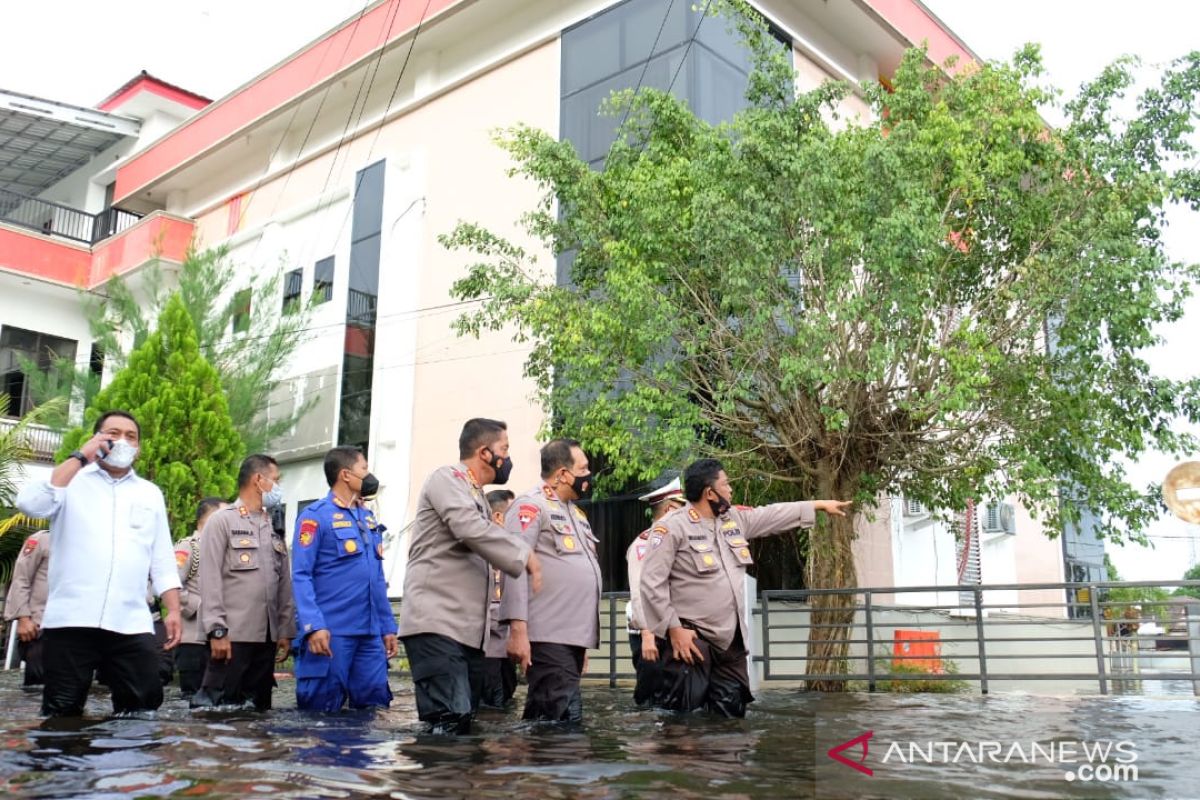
779,751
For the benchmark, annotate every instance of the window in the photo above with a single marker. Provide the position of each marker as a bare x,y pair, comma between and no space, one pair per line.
241,311
323,280
52,356
293,284
358,359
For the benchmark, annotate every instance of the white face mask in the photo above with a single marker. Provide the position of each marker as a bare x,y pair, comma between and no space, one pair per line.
121,454
274,497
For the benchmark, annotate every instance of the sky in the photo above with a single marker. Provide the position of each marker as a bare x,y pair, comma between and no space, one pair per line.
211,47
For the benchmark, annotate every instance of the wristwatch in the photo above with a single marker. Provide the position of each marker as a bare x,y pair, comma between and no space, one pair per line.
81,458
218,633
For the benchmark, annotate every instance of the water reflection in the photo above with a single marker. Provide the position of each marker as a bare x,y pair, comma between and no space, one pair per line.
619,752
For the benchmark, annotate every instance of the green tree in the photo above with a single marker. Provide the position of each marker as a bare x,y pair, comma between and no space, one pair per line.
250,363
1193,574
189,447
849,307
15,449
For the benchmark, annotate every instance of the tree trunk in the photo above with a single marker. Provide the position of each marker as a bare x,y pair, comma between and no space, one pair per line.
830,566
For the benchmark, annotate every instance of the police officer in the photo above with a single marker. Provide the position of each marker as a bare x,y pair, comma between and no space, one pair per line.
643,645
692,588
550,633
191,657
345,621
27,600
499,672
246,607
444,616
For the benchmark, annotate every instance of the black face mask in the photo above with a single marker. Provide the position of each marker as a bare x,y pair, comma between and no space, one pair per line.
719,506
369,488
503,467
578,485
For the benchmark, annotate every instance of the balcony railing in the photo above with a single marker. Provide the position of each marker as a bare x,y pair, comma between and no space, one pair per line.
56,219
43,441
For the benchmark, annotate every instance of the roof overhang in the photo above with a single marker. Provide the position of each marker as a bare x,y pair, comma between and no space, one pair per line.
43,141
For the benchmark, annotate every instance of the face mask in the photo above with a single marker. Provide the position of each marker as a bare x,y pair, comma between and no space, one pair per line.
578,486
369,488
121,454
503,467
719,506
273,498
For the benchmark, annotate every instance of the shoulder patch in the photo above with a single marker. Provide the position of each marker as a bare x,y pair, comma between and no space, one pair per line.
641,551
526,514
458,473
660,528
181,557
693,515
655,540
308,531
644,534
31,544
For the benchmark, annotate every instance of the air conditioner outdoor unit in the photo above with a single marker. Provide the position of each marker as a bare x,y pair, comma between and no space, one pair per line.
912,508
1000,518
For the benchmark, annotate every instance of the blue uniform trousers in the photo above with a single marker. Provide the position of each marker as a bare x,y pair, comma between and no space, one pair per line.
357,672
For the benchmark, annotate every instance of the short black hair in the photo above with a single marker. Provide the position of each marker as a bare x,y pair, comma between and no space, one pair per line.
699,476
556,455
206,505
479,432
497,498
338,459
254,465
116,412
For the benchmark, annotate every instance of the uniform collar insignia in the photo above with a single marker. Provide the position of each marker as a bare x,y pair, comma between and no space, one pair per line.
471,478
242,510
693,515
549,492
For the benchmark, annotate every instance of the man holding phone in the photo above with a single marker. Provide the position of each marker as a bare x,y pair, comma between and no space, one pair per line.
109,528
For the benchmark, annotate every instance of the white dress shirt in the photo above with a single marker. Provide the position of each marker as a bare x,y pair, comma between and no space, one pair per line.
107,536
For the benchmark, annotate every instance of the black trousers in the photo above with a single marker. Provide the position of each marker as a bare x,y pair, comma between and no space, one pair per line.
129,663
554,678
248,676
499,682
31,654
720,683
649,673
447,680
166,658
192,660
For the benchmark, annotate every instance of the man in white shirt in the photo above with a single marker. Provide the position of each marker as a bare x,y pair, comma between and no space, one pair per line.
109,531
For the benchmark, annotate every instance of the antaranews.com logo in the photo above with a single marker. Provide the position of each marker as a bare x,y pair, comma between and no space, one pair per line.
1101,761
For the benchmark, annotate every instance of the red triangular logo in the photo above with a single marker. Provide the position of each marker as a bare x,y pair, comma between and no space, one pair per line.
836,752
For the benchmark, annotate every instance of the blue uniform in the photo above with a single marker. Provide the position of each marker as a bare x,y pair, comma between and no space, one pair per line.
339,586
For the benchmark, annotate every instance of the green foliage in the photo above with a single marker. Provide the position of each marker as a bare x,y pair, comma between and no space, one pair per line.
189,446
249,364
1193,574
885,666
14,450
854,306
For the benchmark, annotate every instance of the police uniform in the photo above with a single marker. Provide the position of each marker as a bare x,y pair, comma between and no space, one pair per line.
339,585
27,598
245,588
444,616
499,671
192,654
693,578
563,619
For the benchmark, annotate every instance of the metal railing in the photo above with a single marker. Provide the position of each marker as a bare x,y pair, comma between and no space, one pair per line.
41,440
55,219
1076,633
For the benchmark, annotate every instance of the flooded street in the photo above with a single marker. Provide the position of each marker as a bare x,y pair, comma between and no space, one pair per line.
779,751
